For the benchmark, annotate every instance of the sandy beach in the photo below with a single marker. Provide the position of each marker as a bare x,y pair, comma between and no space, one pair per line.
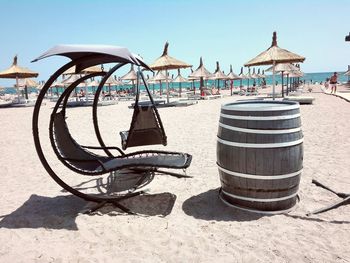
41,223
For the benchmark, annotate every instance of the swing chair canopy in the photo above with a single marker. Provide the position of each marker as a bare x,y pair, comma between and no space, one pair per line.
94,54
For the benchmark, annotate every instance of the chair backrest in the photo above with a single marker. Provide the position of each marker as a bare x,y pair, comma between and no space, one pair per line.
145,128
68,150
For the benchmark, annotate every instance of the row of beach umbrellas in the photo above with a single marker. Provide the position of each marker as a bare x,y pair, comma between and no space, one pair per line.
279,58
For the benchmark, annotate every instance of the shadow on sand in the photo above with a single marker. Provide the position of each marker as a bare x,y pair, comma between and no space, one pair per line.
60,212
48,212
208,206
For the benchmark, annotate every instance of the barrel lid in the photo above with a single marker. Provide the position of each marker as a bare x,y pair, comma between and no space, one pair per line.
255,105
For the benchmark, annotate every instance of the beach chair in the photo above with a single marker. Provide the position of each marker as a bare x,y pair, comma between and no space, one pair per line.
251,91
88,160
208,95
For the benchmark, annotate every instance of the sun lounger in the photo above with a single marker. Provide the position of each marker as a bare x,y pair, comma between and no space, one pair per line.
4,104
208,95
300,99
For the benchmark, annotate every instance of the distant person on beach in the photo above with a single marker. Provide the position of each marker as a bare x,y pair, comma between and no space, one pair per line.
333,81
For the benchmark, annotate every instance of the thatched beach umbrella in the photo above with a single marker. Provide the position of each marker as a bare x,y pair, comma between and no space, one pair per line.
291,76
27,83
89,70
262,75
232,76
159,77
242,76
180,79
57,84
284,67
131,75
17,72
218,74
248,76
94,83
111,81
166,62
272,56
255,75
200,73
73,78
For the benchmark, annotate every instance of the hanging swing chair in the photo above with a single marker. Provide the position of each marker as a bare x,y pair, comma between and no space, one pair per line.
146,126
146,129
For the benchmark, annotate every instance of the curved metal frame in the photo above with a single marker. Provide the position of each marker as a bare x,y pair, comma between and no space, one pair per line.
94,107
64,97
37,143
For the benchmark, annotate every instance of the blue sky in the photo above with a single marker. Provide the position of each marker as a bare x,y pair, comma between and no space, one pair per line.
231,32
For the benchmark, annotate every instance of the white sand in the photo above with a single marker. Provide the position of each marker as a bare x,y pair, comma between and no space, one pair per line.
40,224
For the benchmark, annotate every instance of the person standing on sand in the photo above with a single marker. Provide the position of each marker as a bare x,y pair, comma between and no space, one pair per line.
333,81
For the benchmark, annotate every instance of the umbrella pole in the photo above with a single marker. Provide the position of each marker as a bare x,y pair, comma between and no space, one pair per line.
231,86
160,88
273,80
86,92
282,85
17,89
26,91
180,90
287,83
167,86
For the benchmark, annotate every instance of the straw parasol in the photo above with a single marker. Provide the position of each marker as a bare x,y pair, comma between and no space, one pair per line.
17,72
284,67
159,77
111,81
248,76
218,75
73,78
180,79
166,62
200,73
94,83
89,70
262,75
255,75
242,76
232,76
273,55
131,75
93,69
26,83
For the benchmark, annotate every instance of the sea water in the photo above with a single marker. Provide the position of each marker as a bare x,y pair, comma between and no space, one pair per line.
319,77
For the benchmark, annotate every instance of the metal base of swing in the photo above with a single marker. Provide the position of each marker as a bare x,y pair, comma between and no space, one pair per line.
345,201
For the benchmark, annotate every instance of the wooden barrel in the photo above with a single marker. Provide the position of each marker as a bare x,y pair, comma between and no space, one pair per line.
260,155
